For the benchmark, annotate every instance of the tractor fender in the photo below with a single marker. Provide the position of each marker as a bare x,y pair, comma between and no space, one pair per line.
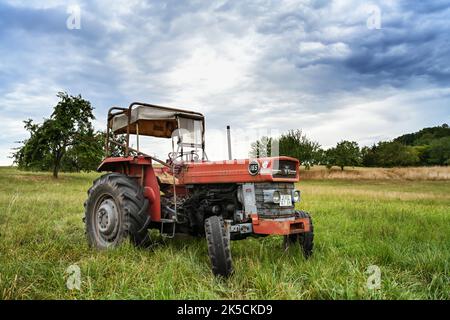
118,164
149,193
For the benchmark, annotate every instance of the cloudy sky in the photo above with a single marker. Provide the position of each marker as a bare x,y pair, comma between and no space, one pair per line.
335,69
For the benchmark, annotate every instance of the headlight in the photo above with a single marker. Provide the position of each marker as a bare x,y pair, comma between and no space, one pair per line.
276,197
296,196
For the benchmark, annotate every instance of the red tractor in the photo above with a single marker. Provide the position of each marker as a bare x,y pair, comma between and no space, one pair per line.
220,200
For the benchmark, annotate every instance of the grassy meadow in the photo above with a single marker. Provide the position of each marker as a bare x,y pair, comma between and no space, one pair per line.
401,225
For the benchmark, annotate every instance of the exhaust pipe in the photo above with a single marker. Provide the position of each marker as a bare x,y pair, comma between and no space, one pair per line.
229,143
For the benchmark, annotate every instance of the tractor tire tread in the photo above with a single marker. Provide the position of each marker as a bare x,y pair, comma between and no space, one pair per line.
218,246
306,239
133,203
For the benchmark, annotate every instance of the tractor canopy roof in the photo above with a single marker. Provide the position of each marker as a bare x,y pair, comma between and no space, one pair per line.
153,120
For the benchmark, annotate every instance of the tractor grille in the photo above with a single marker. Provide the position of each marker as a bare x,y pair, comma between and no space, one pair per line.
273,210
284,169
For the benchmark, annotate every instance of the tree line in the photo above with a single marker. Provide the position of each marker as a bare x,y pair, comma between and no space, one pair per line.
429,146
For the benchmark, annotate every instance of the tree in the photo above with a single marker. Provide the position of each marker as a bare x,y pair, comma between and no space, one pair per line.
368,156
346,153
261,148
422,153
295,144
321,156
424,136
67,137
391,154
85,154
439,152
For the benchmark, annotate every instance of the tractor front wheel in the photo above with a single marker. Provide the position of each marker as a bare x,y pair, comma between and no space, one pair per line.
115,210
305,239
218,246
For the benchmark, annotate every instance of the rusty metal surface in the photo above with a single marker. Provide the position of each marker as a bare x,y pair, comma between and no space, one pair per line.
278,227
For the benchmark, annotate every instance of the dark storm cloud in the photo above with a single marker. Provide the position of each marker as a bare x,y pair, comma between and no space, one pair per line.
416,46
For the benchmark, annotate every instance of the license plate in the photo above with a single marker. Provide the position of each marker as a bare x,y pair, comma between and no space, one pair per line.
285,200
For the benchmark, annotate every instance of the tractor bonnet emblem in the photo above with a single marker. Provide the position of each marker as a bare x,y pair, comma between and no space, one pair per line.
253,167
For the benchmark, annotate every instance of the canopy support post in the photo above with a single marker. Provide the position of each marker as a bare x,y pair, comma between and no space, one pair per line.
137,135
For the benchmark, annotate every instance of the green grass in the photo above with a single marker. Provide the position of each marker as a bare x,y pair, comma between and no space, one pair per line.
401,226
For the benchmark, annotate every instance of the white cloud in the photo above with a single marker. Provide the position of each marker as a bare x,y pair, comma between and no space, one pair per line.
30,98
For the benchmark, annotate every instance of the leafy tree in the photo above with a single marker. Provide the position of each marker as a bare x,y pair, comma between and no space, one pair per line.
66,138
429,144
261,148
85,154
423,153
346,153
424,136
368,157
391,154
295,144
321,156
439,152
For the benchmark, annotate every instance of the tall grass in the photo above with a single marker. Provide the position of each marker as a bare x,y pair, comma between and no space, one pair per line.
401,226
357,173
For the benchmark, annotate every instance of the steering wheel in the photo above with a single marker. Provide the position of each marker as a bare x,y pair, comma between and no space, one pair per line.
195,156
172,155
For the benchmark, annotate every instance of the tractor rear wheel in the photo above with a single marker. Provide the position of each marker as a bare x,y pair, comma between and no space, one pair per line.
115,210
305,239
218,246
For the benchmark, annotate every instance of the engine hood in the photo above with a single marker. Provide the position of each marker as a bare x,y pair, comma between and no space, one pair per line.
280,169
